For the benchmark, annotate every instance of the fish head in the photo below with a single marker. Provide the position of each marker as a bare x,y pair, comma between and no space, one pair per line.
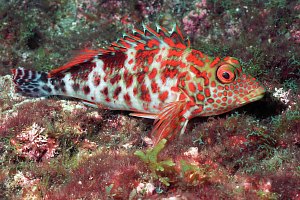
230,88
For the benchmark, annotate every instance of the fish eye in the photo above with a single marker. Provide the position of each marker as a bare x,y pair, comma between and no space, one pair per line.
225,73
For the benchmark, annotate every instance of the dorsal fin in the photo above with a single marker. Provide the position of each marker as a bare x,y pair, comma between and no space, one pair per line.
147,39
84,56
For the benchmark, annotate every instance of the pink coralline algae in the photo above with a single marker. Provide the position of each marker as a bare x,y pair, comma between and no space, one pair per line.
295,35
34,145
147,9
196,20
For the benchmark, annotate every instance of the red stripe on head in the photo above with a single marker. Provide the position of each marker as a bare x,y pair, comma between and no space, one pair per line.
214,62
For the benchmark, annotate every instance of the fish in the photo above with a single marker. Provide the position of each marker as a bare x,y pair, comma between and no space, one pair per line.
153,73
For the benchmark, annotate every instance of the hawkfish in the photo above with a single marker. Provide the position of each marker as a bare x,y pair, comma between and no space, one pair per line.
153,73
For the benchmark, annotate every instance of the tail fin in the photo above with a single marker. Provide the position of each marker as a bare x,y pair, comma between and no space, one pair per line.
31,83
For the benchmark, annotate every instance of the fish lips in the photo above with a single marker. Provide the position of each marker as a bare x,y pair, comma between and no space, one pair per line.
253,95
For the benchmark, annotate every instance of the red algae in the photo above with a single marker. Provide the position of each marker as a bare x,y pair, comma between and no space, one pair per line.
106,175
27,114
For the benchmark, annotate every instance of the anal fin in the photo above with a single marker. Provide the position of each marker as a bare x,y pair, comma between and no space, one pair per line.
94,105
144,115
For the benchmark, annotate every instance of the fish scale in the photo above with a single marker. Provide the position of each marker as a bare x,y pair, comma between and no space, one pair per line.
153,73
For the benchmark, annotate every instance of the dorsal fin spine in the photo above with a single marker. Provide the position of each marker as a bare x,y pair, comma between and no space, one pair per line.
138,39
153,32
179,32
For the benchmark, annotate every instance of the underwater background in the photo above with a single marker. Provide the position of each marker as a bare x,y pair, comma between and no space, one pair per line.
60,149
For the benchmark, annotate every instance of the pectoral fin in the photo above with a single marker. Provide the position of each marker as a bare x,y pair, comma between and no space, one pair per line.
170,121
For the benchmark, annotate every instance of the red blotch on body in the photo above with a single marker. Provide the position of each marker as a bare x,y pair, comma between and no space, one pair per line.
140,77
174,52
193,59
140,46
145,95
172,63
169,41
86,90
127,99
105,91
115,61
128,78
170,72
182,97
152,43
130,61
117,92
146,69
199,74
159,58
182,75
163,78
163,96
97,80
154,87
175,89
135,91
182,83
115,79
153,73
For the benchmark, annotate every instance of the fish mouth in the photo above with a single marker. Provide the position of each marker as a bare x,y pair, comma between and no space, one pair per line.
254,95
